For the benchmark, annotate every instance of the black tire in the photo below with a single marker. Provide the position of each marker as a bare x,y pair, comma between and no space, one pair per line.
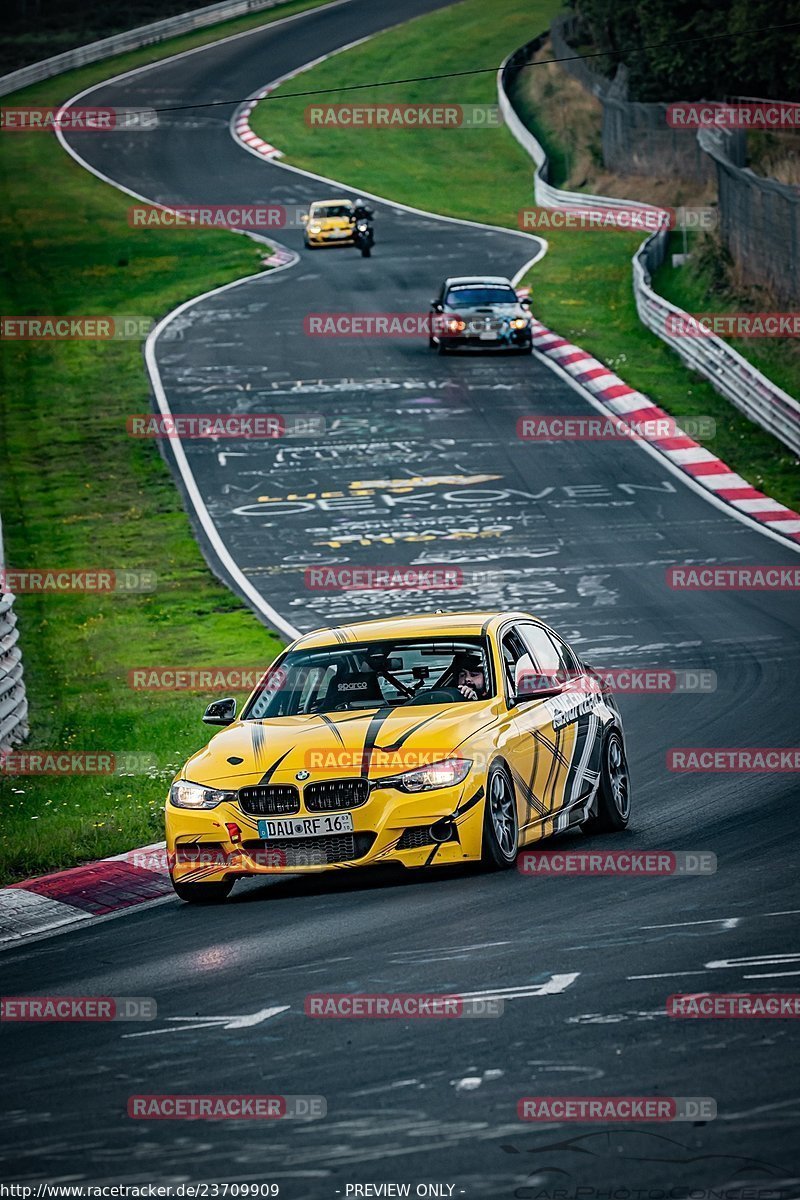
527,349
365,251
431,342
614,791
203,893
500,824
442,349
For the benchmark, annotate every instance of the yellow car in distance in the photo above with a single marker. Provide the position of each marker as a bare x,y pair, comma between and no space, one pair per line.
329,223
424,741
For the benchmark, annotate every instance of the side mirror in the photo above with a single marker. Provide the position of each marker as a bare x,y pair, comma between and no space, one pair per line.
525,302
530,684
437,306
220,712
525,694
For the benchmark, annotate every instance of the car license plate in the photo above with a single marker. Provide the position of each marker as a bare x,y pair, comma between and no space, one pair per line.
301,827
338,233
491,336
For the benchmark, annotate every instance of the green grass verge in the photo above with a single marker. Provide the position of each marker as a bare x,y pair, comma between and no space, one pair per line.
582,288
78,492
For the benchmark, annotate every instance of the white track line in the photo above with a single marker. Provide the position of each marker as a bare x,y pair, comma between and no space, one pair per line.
256,599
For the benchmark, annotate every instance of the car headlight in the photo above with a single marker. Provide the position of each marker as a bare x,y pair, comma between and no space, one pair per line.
455,325
184,794
519,323
314,228
447,773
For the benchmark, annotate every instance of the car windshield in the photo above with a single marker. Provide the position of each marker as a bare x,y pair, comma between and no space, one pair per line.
475,297
338,678
330,210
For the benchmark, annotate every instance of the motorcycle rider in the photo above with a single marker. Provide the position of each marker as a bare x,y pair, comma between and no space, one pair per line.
362,210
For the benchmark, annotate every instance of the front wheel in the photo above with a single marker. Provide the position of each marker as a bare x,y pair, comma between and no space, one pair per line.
203,893
500,825
614,790
365,251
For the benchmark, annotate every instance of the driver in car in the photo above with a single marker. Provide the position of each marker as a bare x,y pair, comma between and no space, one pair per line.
470,676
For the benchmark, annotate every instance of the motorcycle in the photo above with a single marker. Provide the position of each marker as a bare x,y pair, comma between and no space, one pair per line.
364,234
364,238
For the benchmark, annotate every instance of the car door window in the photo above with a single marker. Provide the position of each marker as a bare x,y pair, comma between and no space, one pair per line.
516,659
547,653
572,663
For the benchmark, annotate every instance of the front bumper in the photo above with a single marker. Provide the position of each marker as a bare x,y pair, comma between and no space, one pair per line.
513,339
330,238
391,827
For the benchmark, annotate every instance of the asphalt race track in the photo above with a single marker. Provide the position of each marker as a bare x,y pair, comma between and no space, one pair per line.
421,464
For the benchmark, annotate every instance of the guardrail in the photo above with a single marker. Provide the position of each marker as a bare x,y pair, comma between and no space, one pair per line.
131,39
13,701
728,372
731,375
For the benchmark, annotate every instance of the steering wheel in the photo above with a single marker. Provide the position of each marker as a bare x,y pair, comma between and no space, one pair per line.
436,695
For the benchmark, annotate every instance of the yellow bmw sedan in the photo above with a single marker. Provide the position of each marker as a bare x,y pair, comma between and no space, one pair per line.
424,741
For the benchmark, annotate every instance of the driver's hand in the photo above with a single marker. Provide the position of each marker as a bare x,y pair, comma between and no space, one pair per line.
467,692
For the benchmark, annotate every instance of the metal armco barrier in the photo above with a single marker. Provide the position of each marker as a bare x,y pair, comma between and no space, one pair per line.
759,218
730,374
13,702
132,39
